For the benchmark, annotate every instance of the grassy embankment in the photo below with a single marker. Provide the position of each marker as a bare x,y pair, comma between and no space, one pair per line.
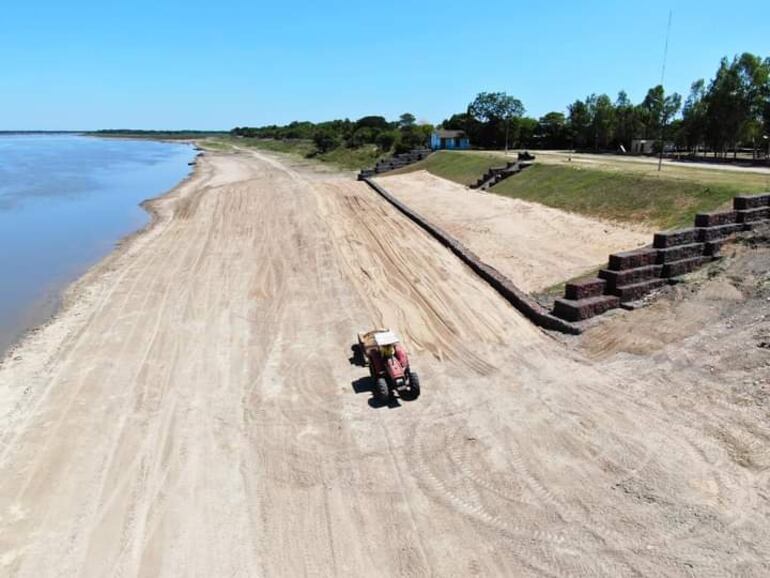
631,192
341,157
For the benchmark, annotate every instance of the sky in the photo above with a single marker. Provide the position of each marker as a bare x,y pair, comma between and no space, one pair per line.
82,65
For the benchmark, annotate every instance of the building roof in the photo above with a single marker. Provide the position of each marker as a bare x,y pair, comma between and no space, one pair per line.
442,133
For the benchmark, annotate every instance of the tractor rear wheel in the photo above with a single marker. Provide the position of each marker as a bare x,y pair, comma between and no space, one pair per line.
414,385
381,390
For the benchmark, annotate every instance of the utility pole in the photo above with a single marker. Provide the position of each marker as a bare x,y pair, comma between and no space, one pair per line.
663,104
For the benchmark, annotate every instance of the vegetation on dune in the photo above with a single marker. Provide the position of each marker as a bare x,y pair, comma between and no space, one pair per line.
157,134
355,158
343,142
342,157
291,146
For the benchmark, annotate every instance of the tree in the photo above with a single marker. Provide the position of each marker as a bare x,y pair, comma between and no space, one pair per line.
736,100
406,120
524,130
694,116
579,123
766,117
766,129
626,120
552,130
659,110
650,111
754,82
375,122
495,109
413,136
602,121
386,139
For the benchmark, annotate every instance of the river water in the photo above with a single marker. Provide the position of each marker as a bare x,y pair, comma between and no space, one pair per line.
65,201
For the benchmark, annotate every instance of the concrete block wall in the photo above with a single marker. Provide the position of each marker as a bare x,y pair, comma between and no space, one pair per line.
496,174
502,284
394,162
631,275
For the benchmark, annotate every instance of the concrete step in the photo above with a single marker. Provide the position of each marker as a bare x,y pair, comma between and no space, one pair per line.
753,215
667,239
633,259
716,219
680,252
636,291
584,288
684,266
577,310
716,233
743,202
713,248
616,279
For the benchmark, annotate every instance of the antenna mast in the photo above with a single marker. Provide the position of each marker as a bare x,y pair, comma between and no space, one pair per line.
662,76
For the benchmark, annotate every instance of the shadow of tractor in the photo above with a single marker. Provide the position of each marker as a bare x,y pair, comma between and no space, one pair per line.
366,384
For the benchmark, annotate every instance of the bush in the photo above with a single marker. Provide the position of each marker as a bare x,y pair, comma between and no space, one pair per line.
386,140
326,140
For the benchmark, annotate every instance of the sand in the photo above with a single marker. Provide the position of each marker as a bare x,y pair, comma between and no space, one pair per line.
192,412
534,245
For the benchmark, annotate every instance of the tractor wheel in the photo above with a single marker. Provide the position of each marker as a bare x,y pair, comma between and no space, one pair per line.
358,355
414,385
381,390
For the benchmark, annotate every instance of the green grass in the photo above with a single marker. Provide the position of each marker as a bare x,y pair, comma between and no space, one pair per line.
636,198
463,168
621,192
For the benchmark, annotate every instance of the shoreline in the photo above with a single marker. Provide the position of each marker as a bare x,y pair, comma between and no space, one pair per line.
68,295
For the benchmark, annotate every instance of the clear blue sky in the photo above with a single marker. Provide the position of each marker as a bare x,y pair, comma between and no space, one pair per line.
213,65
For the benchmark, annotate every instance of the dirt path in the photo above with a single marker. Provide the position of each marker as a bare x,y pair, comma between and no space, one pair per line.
561,157
193,413
534,245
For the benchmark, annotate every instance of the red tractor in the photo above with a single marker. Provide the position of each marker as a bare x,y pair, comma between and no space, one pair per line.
388,363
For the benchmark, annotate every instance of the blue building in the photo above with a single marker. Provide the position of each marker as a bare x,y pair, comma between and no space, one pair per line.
449,140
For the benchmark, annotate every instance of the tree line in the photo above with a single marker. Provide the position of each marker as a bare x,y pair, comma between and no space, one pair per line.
729,112
403,135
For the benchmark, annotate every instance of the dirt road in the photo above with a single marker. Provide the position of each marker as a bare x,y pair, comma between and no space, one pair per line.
192,412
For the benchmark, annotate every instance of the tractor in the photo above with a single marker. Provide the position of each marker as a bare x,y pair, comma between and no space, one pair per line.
381,351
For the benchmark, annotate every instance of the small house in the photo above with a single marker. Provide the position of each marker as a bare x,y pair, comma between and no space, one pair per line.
449,140
642,146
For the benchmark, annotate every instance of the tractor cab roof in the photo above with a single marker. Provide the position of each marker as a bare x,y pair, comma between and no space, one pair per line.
382,338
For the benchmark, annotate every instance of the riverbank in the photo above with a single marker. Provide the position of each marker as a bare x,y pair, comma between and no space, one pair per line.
65,202
75,297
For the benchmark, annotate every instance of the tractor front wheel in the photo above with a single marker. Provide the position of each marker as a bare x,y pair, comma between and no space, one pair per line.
381,390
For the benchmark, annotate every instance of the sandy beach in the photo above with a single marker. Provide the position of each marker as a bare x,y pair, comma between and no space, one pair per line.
191,411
